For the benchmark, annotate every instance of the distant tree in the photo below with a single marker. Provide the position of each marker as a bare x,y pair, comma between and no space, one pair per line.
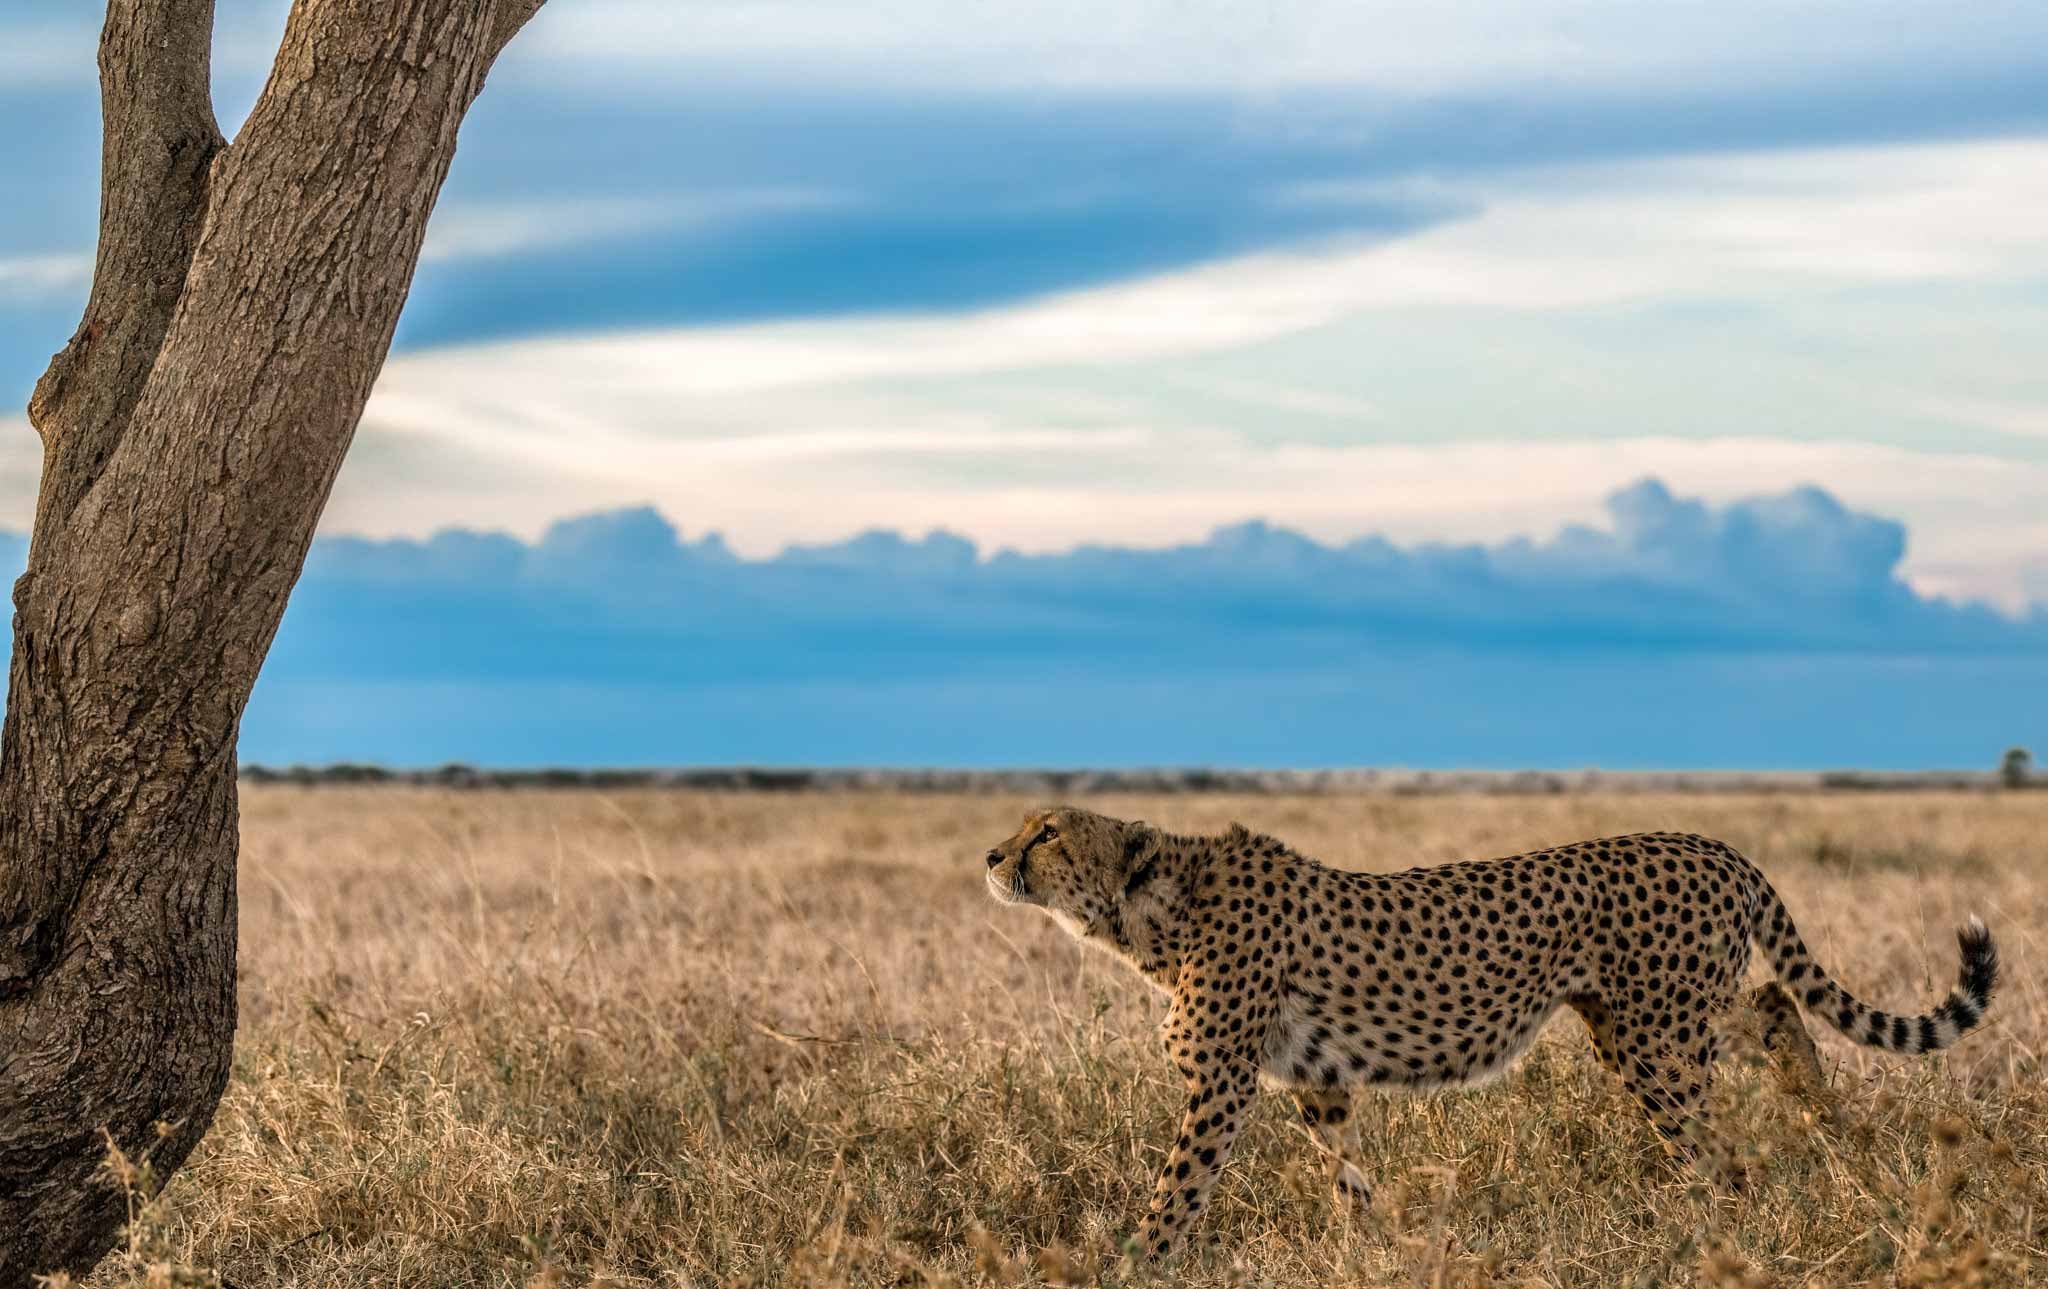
243,300
2017,768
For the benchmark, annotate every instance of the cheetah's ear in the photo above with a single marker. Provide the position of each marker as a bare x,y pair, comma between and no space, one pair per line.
1141,855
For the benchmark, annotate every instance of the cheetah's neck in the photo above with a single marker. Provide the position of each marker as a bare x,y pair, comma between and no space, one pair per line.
1148,928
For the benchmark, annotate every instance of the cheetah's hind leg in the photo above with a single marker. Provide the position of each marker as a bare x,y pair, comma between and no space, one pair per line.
1794,1061
1326,1115
1669,1080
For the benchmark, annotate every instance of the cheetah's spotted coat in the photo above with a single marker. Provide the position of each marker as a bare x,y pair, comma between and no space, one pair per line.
1319,979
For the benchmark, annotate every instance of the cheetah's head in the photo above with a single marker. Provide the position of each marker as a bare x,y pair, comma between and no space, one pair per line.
1073,863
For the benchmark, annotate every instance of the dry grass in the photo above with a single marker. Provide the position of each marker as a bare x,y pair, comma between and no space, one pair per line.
671,1038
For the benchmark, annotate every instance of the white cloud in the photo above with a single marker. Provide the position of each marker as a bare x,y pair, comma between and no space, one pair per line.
1737,227
1978,526
2026,419
1205,310
1273,395
27,277
1386,46
484,230
1733,324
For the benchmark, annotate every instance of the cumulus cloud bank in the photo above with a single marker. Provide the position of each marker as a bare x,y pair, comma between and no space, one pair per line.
1771,631
620,595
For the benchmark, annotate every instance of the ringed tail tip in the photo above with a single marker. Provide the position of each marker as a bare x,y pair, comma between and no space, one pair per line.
1980,959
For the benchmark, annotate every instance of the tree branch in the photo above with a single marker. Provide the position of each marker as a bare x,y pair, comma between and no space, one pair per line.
158,142
512,15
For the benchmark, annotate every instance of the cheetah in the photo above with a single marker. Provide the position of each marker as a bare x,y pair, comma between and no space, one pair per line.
1320,980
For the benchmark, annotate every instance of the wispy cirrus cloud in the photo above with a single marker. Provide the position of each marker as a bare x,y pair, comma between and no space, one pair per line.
1381,46
1738,228
1589,324
1585,325
493,230
2028,420
35,277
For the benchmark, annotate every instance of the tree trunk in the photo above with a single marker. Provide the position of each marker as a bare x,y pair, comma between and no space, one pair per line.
243,300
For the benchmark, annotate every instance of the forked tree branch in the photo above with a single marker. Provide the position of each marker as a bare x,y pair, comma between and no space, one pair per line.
242,304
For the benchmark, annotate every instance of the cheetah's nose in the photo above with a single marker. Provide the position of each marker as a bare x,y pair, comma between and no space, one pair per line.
995,857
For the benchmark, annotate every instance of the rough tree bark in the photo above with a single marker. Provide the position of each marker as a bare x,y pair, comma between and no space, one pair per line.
243,300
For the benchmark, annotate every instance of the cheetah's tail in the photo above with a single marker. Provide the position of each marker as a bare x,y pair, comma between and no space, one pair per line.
1957,1015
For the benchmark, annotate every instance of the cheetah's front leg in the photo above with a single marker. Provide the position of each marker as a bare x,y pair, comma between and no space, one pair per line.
1220,1089
1326,1113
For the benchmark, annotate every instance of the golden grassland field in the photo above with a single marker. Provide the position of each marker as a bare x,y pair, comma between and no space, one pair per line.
686,1038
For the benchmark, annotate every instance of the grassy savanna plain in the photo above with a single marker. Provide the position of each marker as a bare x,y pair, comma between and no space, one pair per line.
689,1038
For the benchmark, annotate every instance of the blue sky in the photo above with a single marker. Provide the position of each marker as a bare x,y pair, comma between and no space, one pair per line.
1056,275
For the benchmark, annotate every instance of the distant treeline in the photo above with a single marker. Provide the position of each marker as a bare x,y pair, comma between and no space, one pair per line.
1057,783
